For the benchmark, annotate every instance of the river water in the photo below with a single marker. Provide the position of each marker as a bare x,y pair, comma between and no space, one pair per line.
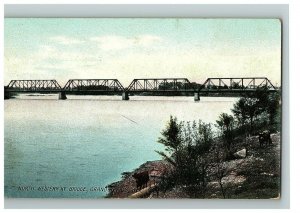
56,148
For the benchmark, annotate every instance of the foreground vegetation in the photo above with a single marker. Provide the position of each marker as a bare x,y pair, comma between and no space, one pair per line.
203,159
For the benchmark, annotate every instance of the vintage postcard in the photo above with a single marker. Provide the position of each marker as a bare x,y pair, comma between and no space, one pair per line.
142,108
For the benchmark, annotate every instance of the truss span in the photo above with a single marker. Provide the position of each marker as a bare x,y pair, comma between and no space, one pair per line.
236,84
159,85
34,86
97,85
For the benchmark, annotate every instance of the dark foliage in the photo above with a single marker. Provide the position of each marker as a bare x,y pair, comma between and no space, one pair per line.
187,146
193,148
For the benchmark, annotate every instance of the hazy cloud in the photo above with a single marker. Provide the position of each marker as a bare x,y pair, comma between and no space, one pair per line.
65,40
113,42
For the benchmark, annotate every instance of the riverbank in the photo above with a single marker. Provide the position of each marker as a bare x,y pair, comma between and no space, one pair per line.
255,175
127,185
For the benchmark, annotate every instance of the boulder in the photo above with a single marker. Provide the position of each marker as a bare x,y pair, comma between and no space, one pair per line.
233,179
240,154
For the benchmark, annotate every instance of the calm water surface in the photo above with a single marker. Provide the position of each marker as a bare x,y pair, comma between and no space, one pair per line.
88,141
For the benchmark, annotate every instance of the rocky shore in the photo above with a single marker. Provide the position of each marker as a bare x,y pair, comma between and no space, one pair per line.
127,186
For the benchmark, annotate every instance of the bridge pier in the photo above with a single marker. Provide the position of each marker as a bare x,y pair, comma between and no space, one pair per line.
62,96
125,96
7,94
196,96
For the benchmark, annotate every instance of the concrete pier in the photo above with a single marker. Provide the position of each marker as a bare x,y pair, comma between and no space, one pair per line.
62,96
6,95
196,96
125,96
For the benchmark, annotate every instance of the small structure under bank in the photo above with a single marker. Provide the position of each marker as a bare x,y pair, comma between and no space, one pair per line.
127,188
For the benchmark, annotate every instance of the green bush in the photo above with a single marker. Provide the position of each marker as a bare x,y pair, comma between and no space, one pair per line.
186,147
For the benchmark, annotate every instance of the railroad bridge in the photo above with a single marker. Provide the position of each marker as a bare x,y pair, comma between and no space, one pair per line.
145,86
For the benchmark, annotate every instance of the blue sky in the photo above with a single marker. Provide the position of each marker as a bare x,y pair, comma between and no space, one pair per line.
139,48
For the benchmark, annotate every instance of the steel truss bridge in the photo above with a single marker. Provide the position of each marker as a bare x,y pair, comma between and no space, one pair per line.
145,86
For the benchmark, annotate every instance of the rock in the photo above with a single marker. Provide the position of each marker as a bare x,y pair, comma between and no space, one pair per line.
233,179
213,196
259,159
213,184
240,154
267,174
